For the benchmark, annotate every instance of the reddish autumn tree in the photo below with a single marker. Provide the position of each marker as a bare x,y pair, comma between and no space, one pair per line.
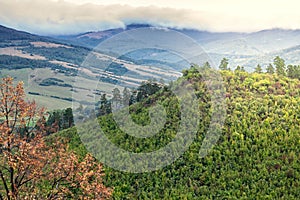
32,167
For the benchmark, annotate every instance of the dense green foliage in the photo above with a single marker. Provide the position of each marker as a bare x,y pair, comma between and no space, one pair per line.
60,120
257,156
279,66
224,64
143,92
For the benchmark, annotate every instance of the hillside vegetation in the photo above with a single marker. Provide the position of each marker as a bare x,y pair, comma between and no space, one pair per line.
256,157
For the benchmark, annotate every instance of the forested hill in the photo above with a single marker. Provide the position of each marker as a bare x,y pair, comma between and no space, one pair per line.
257,156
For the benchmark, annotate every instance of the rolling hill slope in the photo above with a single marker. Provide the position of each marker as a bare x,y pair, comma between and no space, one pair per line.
256,156
36,59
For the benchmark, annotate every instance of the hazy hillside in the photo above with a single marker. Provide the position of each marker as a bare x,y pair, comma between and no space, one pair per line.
92,39
247,49
8,34
49,68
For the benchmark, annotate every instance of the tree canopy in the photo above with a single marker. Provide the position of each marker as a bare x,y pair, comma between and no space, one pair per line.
33,166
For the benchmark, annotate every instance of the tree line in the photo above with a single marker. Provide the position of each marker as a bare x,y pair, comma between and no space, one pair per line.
278,67
127,97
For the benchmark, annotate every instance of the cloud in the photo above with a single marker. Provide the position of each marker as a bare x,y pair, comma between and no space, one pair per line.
49,17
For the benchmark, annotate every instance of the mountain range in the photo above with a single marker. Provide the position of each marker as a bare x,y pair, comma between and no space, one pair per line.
246,49
52,66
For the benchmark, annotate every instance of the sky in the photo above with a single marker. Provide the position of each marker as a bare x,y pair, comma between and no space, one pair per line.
61,17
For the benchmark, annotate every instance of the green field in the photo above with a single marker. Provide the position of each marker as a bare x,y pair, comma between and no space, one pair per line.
83,86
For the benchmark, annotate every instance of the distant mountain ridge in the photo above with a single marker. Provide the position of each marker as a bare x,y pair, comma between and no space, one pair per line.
9,34
248,49
91,39
12,34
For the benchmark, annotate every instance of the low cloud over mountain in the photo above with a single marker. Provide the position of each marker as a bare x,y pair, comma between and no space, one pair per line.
49,17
